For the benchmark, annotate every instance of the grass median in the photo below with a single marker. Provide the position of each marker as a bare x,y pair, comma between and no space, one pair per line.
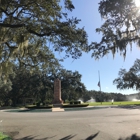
115,103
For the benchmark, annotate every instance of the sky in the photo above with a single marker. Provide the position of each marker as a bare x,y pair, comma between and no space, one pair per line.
88,67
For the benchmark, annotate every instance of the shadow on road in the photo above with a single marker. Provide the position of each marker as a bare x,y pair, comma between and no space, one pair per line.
67,137
127,106
133,137
91,137
33,138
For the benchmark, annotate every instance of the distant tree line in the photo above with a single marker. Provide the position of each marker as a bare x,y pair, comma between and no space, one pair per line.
103,96
39,85
25,83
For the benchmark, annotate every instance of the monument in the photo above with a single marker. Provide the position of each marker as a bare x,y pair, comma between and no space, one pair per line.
57,102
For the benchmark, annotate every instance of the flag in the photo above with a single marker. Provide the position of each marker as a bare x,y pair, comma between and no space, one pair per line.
99,84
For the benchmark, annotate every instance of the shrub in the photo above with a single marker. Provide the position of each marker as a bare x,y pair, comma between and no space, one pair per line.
75,105
71,103
48,101
38,104
4,137
39,107
66,101
77,102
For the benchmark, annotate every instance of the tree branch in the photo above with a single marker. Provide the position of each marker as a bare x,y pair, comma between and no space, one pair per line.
12,26
10,46
41,35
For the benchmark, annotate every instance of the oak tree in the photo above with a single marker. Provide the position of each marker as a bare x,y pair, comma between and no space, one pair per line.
121,27
30,29
129,79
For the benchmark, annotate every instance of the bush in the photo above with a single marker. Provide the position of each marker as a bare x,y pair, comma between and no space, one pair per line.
77,102
38,104
39,107
66,101
48,101
71,103
4,137
75,105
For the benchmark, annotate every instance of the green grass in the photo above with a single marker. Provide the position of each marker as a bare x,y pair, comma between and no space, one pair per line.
115,103
4,137
9,107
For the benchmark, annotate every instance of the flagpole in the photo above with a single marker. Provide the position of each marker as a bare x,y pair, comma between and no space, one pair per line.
100,85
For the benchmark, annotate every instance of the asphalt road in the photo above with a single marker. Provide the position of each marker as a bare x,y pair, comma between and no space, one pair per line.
101,124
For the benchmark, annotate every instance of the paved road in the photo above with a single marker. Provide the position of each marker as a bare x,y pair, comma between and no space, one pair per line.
101,124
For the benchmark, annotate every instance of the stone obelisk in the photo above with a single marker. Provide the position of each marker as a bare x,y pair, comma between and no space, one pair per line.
57,102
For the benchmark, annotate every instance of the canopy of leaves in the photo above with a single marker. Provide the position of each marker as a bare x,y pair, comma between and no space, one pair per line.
5,88
121,27
29,29
129,79
72,87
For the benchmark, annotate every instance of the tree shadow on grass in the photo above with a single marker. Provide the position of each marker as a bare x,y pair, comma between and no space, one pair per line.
133,137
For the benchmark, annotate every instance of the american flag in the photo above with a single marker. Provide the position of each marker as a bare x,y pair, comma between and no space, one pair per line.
99,84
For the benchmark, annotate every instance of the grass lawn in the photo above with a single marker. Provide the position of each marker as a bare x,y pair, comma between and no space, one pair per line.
115,103
4,137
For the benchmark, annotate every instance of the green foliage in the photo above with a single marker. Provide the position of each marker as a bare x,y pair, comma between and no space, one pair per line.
129,79
74,102
67,101
120,29
72,87
77,102
71,102
29,29
75,105
38,104
5,88
39,107
4,137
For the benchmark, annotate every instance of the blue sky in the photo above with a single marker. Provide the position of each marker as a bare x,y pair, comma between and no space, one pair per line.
87,11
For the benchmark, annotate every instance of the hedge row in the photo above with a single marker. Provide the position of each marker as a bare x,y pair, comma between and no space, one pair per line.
75,105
